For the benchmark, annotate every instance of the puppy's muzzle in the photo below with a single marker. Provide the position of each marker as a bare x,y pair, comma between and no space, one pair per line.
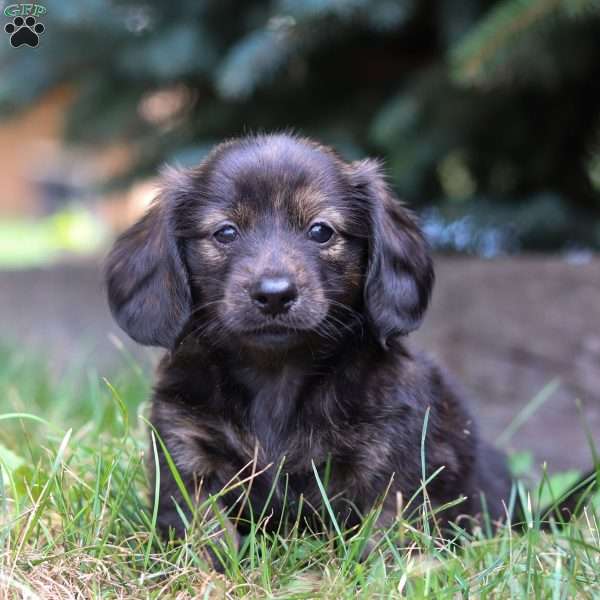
274,295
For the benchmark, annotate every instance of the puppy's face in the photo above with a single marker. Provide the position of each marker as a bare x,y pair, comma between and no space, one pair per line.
272,242
278,249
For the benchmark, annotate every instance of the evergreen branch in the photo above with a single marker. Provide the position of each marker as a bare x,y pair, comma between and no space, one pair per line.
504,25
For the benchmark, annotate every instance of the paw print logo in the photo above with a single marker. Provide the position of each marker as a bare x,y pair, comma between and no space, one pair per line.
24,31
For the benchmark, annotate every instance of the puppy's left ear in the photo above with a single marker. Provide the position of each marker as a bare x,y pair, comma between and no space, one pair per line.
399,276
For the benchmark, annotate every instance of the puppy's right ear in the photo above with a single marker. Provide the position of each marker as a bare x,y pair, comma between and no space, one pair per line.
148,290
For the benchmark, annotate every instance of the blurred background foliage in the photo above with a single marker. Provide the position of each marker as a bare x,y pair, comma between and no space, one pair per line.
487,113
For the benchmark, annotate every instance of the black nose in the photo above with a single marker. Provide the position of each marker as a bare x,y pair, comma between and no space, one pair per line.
274,295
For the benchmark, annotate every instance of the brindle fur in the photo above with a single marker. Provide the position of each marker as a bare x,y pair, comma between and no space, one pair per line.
344,393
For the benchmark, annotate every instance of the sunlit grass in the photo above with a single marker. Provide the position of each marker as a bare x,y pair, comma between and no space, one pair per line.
75,521
31,243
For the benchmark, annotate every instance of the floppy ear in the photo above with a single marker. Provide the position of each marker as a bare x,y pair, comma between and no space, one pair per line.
147,281
399,276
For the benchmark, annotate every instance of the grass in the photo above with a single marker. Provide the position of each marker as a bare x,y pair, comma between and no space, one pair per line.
75,521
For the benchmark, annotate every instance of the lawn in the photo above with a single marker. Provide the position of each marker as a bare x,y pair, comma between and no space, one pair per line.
75,521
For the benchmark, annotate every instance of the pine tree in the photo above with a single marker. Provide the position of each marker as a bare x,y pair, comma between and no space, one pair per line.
486,112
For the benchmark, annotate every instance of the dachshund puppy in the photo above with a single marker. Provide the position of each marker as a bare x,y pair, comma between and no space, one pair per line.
282,281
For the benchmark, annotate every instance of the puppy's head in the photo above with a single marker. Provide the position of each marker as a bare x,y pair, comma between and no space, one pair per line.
271,242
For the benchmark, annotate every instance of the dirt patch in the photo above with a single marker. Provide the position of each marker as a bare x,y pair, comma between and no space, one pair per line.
506,328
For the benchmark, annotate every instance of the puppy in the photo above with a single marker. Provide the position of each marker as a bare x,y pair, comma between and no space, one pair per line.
282,281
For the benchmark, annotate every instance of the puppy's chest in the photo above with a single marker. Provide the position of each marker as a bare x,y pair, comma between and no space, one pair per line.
297,422
278,419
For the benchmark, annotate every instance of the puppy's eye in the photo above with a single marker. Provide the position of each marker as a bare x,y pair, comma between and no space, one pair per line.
226,234
320,233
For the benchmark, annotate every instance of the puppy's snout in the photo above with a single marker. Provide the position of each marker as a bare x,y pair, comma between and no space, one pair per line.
274,295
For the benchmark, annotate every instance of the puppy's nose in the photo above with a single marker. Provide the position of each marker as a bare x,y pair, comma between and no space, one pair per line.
274,295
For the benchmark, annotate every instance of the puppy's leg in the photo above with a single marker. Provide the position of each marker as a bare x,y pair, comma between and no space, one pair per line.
175,513
386,518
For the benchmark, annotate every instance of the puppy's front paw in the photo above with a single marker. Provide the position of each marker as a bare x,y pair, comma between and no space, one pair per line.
221,545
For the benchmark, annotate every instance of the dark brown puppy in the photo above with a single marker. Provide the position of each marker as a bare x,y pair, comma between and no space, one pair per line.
282,280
